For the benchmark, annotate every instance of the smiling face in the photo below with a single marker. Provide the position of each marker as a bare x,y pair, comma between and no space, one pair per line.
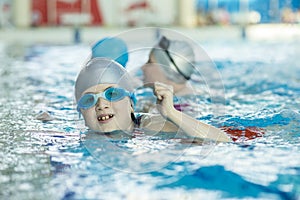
108,116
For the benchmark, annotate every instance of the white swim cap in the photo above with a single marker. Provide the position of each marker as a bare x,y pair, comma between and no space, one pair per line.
101,70
181,53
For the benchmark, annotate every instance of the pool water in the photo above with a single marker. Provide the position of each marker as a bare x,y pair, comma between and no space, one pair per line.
45,157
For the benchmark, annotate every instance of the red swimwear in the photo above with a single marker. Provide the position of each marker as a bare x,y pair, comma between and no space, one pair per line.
248,133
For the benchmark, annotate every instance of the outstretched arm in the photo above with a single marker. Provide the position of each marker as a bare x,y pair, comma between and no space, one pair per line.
188,124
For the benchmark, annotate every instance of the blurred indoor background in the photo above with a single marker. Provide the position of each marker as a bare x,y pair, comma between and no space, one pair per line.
28,14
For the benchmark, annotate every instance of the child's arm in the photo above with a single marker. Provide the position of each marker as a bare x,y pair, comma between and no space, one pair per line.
188,124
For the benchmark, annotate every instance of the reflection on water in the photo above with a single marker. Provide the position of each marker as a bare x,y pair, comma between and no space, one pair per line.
47,158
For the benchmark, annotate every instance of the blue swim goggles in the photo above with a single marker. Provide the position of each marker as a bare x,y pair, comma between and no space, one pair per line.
110,94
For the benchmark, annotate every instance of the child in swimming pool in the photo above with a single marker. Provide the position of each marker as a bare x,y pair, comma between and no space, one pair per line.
170,62
104,96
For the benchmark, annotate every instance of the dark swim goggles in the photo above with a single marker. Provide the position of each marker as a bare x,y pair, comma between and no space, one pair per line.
111,94
164,43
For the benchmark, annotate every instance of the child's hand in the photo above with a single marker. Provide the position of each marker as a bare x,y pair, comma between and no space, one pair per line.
164,94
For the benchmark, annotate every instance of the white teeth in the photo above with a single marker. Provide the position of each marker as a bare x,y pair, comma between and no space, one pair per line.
107,117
